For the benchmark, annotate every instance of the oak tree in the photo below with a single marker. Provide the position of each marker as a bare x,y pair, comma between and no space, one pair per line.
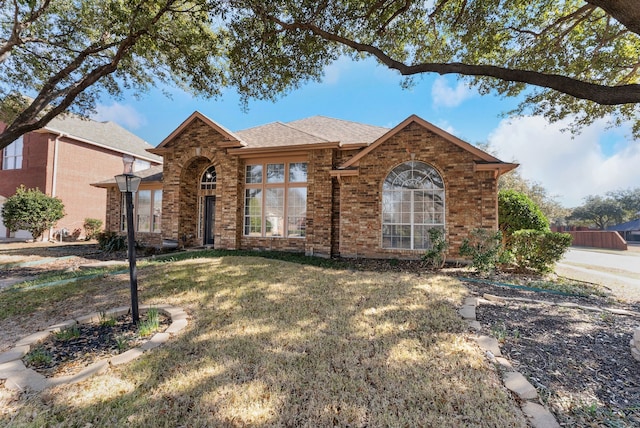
574,58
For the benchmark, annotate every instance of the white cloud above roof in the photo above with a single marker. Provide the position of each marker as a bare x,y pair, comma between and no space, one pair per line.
445,95
122,114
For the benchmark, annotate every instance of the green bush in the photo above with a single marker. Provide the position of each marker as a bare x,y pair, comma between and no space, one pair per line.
485,249
516,211
434,256
31,210
92,228
110,242
537,250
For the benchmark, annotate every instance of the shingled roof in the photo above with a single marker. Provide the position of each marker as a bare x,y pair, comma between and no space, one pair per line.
103,134
312,130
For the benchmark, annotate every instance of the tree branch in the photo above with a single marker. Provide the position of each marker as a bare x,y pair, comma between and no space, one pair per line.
601,94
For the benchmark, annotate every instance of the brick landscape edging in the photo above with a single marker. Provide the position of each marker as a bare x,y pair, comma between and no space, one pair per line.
19,377
538,415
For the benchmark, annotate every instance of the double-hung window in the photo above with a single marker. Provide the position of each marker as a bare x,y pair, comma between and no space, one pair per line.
275,202
12,155
147,211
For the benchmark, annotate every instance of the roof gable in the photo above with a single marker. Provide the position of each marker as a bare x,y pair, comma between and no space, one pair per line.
483,156
233,140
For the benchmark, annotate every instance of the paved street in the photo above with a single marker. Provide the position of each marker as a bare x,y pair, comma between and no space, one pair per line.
616,270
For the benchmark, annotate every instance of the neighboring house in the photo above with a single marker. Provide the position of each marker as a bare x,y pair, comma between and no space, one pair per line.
318,185
630,231
62,159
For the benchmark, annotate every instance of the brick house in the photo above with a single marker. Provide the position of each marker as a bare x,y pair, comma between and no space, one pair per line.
319,186
63,159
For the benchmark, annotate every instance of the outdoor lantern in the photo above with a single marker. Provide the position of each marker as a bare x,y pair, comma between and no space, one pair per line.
128,184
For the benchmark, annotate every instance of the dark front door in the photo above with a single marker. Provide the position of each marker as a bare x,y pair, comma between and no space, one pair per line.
209,219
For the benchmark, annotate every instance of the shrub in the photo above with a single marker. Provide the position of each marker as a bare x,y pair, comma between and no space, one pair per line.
485,249
516,212
110,242
92,228
435,255
538,250
31,210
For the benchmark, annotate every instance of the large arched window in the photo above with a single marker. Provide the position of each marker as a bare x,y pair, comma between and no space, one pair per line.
412,203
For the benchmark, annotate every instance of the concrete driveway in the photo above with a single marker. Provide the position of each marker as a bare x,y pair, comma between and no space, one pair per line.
619,271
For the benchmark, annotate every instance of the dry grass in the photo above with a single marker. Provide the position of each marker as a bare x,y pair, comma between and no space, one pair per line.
273,343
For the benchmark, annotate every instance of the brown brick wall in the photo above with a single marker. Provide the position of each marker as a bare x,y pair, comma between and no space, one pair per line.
186,159
470,197
343,214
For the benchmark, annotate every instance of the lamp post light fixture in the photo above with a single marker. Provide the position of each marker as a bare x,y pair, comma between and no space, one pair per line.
128,184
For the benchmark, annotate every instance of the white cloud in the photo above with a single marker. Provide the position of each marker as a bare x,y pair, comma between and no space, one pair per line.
122,114
569,166
448,96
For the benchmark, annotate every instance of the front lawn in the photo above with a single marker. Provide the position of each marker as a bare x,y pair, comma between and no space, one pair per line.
274,343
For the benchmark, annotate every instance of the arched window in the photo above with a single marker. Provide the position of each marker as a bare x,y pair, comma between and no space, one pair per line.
412,203
208,181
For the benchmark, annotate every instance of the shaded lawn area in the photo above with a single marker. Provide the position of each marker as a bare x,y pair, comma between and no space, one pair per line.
273,343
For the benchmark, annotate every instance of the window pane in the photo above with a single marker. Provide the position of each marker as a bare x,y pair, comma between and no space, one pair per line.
144,211
396,236
298,172
275,173
157,210
297,212
274,212
253,212
12,155
254,174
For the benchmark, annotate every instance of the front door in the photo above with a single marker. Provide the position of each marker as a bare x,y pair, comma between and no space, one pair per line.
209,219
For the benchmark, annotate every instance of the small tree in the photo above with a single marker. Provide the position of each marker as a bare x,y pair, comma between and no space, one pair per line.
31,210
516,211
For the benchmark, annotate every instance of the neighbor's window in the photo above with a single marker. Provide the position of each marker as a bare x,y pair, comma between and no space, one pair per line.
12,155
147,211
412,203
275,202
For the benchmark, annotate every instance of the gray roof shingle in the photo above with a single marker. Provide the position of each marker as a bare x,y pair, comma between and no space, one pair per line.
106,134
312,130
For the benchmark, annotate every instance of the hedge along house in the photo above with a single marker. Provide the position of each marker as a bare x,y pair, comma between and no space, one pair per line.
320,186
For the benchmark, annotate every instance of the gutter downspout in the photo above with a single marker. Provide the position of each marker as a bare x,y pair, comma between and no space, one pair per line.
54,178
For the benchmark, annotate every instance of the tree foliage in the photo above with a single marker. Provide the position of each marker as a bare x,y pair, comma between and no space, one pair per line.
629,200
599,212
582,57
75,51
516,211
31,210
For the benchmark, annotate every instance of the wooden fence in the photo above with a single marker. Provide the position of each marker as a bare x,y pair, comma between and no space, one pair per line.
598,239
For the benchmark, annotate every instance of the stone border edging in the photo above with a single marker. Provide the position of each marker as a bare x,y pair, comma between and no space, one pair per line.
19,377
514,381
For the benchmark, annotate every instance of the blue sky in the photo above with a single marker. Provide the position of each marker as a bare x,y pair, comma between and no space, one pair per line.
570,167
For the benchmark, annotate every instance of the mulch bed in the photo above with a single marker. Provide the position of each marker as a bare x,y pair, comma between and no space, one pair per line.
94,342
579,361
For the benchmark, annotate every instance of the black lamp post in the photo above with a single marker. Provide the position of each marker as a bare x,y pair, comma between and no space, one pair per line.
128,184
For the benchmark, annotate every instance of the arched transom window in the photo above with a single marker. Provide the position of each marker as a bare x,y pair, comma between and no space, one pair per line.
412,203
208,181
